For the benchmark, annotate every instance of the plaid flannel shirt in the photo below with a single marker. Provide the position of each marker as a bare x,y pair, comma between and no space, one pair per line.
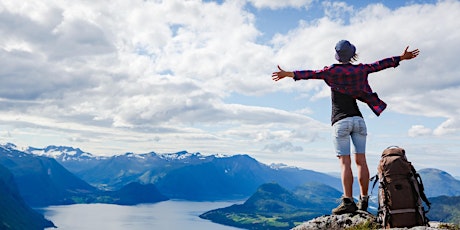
352,80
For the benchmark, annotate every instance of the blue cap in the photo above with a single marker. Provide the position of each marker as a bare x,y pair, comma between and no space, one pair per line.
344,51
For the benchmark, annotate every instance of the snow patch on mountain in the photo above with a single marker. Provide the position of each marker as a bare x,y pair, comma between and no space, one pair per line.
278,166
180,155
11,146
63,153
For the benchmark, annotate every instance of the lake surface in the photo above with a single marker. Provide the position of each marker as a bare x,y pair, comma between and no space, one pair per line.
168,215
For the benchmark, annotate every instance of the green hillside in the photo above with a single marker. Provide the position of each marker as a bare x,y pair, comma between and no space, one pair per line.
445,209
273,207
14,213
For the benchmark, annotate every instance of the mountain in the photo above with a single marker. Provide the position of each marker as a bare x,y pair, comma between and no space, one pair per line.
181,175
136,193
319,195
14,212
73,159
274,207
233,177
436,183
445,209
116,171
185,175
42,181
439,183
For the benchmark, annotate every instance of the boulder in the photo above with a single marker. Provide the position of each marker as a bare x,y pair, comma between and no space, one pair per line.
360,218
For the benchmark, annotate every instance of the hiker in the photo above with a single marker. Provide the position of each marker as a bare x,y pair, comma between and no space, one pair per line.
348,83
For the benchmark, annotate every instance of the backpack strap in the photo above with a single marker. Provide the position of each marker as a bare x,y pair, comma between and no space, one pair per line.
421,188
383,211
375,179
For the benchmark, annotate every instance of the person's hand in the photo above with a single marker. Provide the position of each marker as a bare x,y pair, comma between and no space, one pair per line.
276,76
409,54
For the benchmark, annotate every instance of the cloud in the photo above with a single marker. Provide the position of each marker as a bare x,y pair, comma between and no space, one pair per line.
151,71
283,147
424,86
137,75
274,4
449,127
337,10
419,130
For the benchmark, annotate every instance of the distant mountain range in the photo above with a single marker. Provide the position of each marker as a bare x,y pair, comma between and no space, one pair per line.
58,175
183,175
42,181
204,176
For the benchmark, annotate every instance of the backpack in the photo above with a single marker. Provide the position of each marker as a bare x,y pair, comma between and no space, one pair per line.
400,192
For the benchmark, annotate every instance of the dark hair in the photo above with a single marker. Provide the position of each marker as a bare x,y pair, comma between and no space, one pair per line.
354,58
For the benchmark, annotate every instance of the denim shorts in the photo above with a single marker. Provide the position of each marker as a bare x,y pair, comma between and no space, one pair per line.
353,128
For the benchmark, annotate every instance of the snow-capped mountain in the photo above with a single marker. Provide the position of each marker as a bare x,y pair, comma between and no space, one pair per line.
10,147
180,175
63,153
73,159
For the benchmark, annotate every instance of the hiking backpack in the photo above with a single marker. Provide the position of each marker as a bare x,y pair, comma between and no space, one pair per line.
400,192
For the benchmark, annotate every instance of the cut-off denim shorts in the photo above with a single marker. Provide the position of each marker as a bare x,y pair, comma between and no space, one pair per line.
350,127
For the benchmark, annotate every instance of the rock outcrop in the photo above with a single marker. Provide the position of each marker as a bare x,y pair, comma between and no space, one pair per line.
337,222
360,218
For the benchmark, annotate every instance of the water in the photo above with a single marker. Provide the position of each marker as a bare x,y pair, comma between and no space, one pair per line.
168,215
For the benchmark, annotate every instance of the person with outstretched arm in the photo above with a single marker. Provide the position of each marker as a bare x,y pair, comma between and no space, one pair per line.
349,83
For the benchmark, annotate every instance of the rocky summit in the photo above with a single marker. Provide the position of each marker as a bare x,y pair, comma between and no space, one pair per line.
336,222
360,218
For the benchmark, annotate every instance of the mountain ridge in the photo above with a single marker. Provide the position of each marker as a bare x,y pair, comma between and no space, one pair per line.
153,167
42,181
181,175
14,212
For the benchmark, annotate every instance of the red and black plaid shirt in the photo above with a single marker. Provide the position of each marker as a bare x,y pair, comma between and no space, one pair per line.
352,80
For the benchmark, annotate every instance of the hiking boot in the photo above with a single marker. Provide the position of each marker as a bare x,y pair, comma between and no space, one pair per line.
347,206
363,203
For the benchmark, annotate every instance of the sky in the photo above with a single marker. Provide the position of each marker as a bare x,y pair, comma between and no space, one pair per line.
111,77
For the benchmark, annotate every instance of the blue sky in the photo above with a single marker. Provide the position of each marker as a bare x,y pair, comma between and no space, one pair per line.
112,77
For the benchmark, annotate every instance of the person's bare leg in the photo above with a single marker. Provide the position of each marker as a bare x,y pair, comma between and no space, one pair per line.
363,173
347,205
347,176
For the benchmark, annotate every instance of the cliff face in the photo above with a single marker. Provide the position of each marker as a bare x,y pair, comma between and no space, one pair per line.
363,219
14,212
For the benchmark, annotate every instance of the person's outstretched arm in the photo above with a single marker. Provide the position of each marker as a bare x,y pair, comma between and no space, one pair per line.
407,55
391,62
276,76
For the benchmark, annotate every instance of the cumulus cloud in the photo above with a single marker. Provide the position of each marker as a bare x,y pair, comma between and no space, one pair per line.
449,127
138,75
274,4
425,86
419,130
283,147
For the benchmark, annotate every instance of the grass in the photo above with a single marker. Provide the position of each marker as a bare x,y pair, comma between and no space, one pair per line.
449,226
252,219
365,226
372,225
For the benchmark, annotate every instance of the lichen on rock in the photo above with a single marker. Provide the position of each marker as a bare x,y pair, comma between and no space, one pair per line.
359,220
337,222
